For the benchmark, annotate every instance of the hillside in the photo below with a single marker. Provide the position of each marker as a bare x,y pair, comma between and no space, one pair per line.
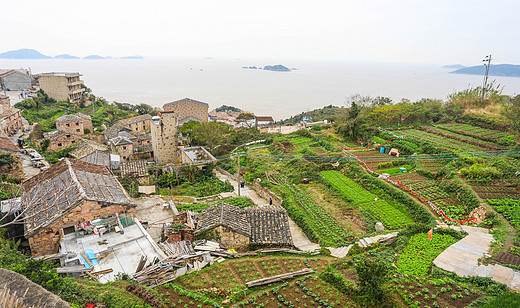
506,70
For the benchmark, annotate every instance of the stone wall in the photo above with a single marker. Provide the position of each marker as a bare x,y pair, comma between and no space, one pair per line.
17,82
125,151
232,240
164,140
47,240
62,142
186,109
266,193
55,86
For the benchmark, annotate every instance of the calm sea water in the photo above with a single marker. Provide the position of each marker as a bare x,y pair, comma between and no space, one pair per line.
281,94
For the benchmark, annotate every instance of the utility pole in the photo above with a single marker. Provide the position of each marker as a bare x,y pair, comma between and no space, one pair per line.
488,60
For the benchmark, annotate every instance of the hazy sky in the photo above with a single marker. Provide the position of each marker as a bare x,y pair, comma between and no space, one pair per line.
428,31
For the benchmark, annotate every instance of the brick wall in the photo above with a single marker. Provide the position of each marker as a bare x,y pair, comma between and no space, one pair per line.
46,241
62,142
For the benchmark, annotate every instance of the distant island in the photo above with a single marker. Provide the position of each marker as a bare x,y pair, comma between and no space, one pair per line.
274,68
65,56
277,68
23,54
457,66
34,54
505,70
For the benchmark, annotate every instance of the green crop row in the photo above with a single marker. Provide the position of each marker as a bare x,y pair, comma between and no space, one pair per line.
366,202
316,223
418,256
509,208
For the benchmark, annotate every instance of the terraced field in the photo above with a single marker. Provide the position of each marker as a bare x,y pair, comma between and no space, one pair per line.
473,131
450,145
366,202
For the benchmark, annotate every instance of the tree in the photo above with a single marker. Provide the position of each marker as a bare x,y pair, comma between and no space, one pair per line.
372,276
245,117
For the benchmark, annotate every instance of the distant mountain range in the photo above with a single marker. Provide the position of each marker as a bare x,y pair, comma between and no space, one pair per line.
34,54
505,70
457,66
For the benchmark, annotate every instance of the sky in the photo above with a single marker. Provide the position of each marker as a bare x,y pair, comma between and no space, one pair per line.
426,31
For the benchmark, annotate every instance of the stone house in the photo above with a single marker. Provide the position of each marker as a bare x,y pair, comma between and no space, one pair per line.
226,224
75,123
113,131
122,146
263,121
15,80
111,161
188,109
10,117
164,141
15,169
61,139
62,86
140,123
67,194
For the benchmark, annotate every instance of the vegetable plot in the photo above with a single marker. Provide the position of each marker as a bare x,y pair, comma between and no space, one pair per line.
418,256
509,208
366,202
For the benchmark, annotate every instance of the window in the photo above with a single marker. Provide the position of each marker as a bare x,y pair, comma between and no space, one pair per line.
124,147
68,136
77,130
68,230
68,125
59,144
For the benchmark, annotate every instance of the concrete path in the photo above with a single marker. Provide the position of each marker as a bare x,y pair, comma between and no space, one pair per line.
342,252
244,192
28,169
462,258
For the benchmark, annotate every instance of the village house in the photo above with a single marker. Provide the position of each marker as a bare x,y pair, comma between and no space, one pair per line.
139,123
164,140
60,139
188,109
7,146
263,121
196,156
10,117
122,146
65,196
62,86
225,224
135,169
113,131
15,80
239,228
78,123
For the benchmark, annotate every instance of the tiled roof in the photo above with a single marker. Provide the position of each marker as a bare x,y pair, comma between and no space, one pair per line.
98,158
7,144
120,141
225,215
60,133
71,118
140,118
86,146
269,225
113,131
264,119
134,168
185,99
55,191
4,72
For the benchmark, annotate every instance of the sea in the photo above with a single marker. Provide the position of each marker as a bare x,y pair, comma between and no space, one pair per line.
310,85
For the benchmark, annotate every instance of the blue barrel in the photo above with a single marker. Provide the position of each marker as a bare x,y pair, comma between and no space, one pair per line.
382,150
